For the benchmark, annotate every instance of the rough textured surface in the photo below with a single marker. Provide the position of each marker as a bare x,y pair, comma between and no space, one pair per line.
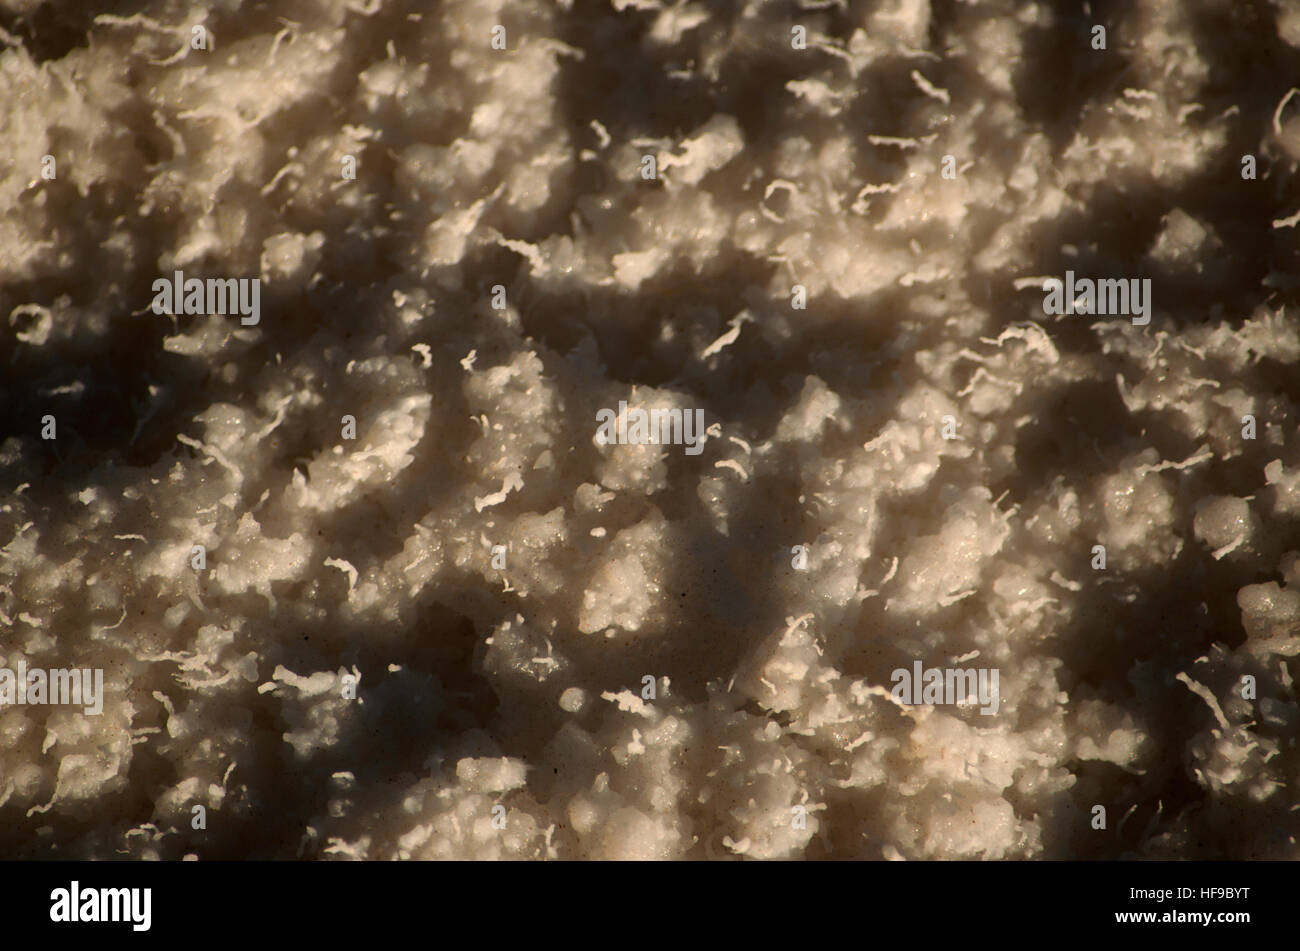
475,427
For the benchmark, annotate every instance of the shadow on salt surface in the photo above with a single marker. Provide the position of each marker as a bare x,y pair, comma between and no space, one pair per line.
51,31
1126,652
423,710
1131,631
1060,73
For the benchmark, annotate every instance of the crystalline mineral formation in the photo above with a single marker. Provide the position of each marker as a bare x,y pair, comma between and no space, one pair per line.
641,429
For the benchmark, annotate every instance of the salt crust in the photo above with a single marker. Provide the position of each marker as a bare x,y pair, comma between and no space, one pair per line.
624,561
